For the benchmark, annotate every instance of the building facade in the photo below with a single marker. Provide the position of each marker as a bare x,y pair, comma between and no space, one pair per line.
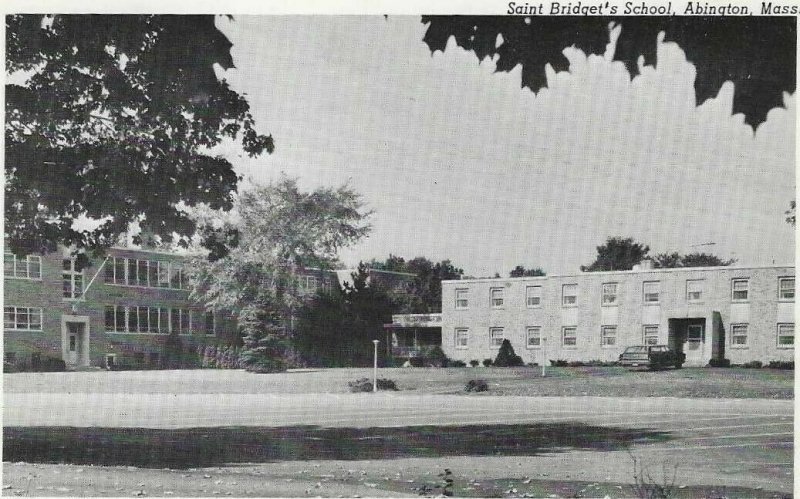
741,314
131,308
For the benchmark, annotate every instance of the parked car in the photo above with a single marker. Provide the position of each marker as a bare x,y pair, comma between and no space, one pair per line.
652,356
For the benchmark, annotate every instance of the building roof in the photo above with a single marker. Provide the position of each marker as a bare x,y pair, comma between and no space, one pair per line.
622,272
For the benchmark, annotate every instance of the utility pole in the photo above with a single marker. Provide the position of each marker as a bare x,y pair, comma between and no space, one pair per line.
375,368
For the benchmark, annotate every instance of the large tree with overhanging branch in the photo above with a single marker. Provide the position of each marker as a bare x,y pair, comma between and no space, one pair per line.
274,234
109,121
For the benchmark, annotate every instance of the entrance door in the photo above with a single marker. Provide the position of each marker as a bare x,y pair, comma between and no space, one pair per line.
693,348
76,343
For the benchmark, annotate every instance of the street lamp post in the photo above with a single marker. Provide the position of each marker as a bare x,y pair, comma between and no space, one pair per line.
544,356
375,367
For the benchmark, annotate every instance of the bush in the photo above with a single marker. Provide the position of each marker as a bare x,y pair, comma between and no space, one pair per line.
457,363
53,365
781,364
474,362
365,385
592,363
476,385
437,358
755,364
719,363
506,357
487,362
558,363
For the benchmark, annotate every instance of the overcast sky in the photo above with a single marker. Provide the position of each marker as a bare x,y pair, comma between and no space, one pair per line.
461,163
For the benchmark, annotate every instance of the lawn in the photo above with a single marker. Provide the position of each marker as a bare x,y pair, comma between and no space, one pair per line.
525,381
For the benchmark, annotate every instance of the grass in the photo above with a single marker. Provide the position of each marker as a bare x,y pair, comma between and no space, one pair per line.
522,381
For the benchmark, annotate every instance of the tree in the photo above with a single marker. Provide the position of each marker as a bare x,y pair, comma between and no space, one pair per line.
617,254
280,231
673,260
520,271
336,328
506,357
424,292
790,213
756,53
110,118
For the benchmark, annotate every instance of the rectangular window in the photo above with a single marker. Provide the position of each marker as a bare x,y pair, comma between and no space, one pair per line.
650,335
211,326
120,319
108,274
133,320
569,295
739,335
534,337
608,336
786,288
497,297
28,267
153,317
651,291
72,279
163,274
533,296
142,273
163,320
694,333
119,271
22,318
144,319
694,290
569,336
175,321
152,273
609,294
740,289
462,338
132,278
111,320
174,277
786,335
496,336
462,299
186,322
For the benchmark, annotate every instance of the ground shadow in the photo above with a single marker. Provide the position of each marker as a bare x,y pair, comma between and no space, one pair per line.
197,447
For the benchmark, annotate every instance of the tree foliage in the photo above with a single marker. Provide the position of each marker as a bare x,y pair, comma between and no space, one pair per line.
506,357
520,271
109,118
617,254
675,259
336,328
280,231
791,217
756,53
424,292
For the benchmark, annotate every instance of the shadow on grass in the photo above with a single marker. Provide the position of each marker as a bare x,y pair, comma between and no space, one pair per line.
199,447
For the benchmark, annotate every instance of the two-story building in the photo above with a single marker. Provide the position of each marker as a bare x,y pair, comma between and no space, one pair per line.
131,307
737,313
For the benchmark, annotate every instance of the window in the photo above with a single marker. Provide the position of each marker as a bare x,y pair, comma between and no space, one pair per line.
786,335
786,288
608,336
72,280
694,333
694,290
569,295
210,324
533,296
150,320
739,335
22,318
462,338
534,337
497,297
496,337
29,267
462,298
609,294
740,288
650,335
569,336
652,290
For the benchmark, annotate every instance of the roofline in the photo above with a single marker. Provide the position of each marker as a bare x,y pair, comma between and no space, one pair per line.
620,272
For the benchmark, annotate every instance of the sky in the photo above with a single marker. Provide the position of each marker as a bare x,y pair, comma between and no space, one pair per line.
460,163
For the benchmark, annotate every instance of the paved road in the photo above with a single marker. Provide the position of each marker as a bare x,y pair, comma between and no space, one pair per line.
746,442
